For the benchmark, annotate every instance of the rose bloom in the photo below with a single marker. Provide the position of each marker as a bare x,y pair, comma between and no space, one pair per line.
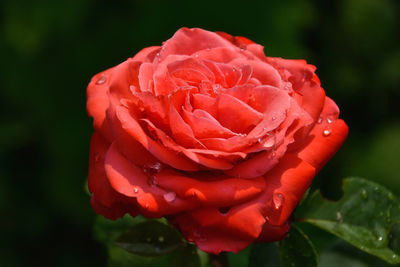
212,134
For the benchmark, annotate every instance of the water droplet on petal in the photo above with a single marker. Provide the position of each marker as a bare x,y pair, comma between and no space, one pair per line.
152,169
273,118
242,47
170,196
319,121
273,154
135,190
259,140
102,79
327,132
278,199
329,120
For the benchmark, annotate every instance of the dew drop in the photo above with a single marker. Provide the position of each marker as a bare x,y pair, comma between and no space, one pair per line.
152,169
102,79
380,238
364,194
170,196
319,121
273,154
135,190
327,132
259,140
278,199
329,120
273,118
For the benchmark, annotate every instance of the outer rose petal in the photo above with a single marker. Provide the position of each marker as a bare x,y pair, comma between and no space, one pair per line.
97,102
130,181
224,192
97,180
115,211
188,41
288,182
325,138
213,231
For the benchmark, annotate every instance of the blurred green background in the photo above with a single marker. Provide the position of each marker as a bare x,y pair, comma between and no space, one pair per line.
50,50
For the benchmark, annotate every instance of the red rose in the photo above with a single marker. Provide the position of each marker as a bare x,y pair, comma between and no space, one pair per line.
211,133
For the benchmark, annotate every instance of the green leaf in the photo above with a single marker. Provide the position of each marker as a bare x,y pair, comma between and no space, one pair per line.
297,250
239,259
150,238
364,217
185,256
264,255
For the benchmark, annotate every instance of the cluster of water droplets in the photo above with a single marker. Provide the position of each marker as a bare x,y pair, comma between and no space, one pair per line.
326,132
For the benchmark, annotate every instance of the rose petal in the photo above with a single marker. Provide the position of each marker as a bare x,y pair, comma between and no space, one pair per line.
214,232
288,182
181,131
219,54
145,76
219,164
206,103
97,180
188,41
325,138
204,125
116,210
97,102
223,192
132,128
130,181
236,115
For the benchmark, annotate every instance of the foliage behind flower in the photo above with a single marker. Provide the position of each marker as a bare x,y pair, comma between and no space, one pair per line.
211,133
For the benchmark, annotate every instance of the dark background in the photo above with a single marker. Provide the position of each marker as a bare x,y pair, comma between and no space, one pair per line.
50,49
